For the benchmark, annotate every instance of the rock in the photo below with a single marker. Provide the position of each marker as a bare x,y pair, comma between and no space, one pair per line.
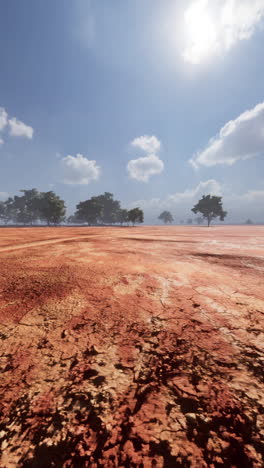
191,418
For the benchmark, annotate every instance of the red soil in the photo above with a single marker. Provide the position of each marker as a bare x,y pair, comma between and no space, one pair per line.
132,347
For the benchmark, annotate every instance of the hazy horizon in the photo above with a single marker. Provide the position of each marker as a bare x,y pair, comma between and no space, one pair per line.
156,104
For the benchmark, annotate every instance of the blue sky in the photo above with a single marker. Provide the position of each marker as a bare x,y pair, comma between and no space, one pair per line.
157,102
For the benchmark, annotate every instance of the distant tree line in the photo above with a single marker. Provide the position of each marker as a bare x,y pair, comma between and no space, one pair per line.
33,207
104,209
209,206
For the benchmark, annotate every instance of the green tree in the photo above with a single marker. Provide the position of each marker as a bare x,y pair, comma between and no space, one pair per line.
210,206
122,216
2,211
9,211
51,208
110,207
89,211
136,215
26,207
166,217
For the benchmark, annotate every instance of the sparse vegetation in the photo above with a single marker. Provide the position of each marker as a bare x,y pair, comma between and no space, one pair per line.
166,217
210,207
104,209
136,215
46,207
33,206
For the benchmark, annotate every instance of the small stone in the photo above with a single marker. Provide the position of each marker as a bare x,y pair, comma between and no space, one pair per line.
191,417
64,333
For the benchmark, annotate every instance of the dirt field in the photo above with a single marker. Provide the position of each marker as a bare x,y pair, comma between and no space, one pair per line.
132,347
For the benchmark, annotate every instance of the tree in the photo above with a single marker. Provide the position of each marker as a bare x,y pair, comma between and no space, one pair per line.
210,207
136,215
189,221
122,216
9,212
26,207
51,208
22,209
109,207
166,217
101,209
89,211
2,211
249,221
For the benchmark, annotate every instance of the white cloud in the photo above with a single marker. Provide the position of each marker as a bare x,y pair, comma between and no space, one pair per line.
239,139
18,128
246,205
79,170
3,118
148,144
251,196
182,200
211,187
4,196
214,27
143,168
239,206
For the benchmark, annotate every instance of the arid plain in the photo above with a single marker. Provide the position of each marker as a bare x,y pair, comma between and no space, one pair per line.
132,347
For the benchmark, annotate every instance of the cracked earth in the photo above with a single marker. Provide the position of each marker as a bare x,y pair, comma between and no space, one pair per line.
132,347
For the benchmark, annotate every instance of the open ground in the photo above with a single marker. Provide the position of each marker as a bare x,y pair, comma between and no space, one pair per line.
132,347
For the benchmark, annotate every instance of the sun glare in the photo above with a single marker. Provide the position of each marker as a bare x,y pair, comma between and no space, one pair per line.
200,32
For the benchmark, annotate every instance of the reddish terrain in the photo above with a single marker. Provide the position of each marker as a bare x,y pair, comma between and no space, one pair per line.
132,347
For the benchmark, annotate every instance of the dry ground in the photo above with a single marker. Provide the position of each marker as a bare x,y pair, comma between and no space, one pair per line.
132,347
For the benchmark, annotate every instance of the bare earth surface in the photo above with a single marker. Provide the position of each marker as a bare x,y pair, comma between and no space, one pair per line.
132,347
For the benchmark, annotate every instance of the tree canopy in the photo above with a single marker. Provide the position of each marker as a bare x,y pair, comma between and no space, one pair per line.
109,208
136,215
89,211
166,217
122,216
210,206
51,208
104,209
33,207
2,210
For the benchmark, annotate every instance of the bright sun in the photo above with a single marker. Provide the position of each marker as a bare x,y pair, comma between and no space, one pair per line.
200,31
